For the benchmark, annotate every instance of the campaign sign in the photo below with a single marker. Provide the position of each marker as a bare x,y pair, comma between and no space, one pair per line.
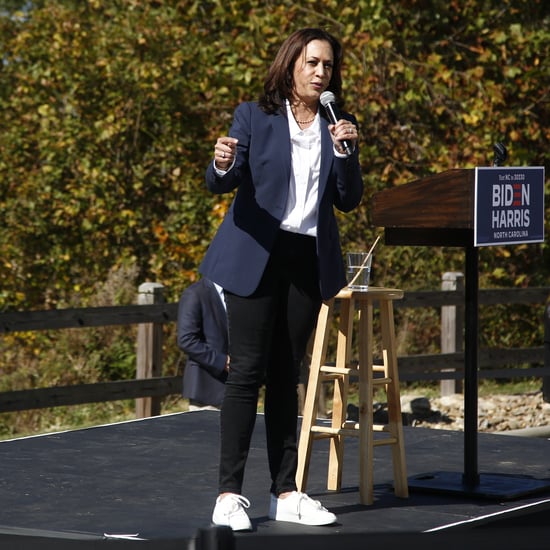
509,205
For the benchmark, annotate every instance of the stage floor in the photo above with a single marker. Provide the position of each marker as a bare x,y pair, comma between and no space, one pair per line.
156,480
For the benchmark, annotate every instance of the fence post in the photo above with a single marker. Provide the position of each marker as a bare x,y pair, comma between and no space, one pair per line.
452,324
546,379
149,349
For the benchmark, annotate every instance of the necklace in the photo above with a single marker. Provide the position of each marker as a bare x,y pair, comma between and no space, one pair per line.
305,121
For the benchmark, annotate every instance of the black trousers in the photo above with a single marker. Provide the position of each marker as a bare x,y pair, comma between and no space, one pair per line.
268,335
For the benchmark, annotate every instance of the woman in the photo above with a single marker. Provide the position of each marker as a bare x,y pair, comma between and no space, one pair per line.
277,256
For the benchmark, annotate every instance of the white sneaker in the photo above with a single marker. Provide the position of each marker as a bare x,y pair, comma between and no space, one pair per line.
229,511
299,508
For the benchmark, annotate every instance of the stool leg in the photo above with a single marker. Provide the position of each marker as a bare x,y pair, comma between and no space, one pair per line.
394,401
312,393
340,396
366,404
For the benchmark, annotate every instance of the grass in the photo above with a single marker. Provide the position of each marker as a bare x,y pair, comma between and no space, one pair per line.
520,386
486,387
94,414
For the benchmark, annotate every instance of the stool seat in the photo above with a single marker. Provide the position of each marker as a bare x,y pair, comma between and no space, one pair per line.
356,307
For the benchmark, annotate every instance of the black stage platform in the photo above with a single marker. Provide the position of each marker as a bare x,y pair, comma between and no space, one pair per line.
154,481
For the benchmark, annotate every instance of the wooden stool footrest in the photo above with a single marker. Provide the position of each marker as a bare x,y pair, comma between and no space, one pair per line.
346,371
332,432
322,432
388,441
381,381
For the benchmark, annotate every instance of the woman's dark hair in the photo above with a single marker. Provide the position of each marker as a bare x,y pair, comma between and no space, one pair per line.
279,83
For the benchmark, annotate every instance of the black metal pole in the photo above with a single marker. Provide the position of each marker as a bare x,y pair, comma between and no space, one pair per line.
546,379
471,475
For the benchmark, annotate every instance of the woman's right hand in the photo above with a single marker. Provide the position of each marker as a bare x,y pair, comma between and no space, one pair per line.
225,151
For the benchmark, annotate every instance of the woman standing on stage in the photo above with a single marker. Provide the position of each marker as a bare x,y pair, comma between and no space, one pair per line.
277,256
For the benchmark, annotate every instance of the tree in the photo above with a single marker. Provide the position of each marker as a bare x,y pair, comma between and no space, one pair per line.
109,112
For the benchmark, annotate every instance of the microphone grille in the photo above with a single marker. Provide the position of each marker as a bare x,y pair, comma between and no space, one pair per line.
326,98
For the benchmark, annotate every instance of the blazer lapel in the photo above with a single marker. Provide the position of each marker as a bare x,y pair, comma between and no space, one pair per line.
327,157
279,124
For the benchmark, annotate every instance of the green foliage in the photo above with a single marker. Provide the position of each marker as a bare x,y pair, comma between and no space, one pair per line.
109,112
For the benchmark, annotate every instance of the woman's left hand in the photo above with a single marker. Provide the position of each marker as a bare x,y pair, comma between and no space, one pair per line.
343,130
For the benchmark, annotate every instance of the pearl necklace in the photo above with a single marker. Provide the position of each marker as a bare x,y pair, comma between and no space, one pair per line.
305,121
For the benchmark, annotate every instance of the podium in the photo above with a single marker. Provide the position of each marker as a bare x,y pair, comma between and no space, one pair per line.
439,211
436,211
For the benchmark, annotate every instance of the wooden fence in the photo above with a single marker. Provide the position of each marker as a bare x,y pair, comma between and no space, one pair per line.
151,314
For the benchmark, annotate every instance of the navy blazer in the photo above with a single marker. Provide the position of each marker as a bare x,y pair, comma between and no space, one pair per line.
202,335
238,254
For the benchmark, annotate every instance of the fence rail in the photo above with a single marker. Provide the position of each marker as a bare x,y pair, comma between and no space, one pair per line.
150,386
25,321
450,366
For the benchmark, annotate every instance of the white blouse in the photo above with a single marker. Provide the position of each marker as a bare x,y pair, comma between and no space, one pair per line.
301,208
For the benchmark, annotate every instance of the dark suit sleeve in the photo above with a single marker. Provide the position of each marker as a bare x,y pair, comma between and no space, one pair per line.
191,335
349,181
240,170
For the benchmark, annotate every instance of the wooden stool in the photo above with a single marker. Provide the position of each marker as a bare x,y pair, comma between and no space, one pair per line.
373,376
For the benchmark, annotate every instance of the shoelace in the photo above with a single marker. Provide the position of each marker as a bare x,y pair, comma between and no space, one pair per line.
238,500
308,501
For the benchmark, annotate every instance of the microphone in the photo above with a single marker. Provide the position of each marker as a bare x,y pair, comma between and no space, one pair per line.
500,154
328,101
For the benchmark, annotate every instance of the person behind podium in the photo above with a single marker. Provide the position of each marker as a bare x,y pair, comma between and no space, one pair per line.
202,335
277,255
